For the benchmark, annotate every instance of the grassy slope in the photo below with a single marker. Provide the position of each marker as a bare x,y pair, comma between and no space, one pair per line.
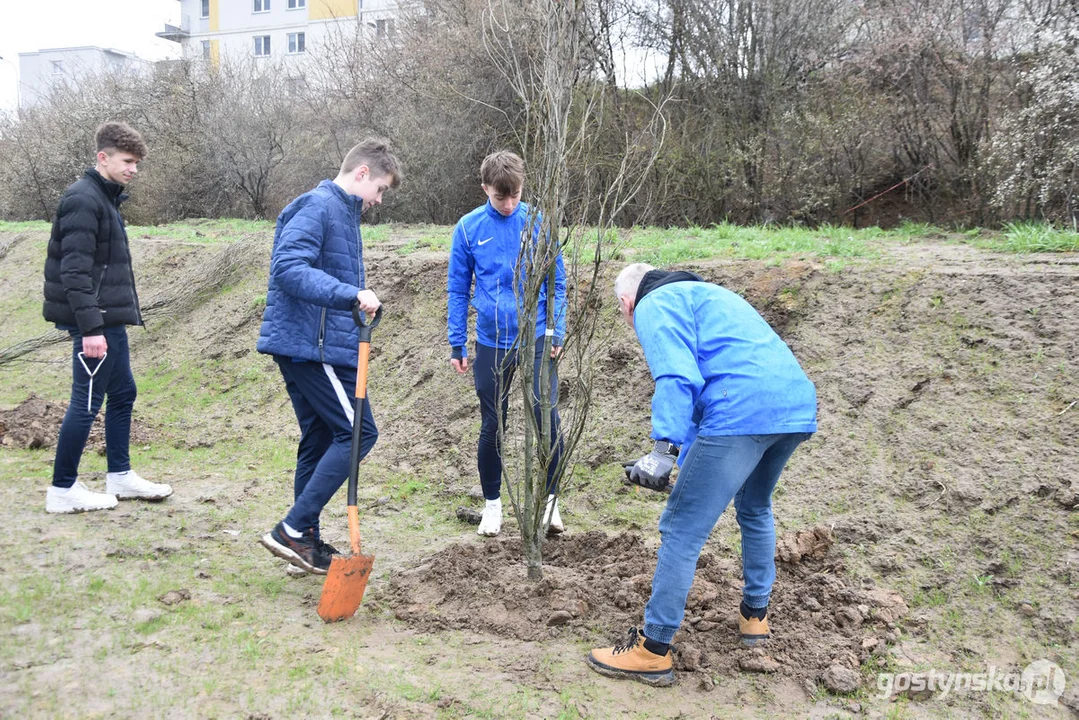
82,591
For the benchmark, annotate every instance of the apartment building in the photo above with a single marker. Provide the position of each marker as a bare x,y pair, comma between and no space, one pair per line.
42,70
212,29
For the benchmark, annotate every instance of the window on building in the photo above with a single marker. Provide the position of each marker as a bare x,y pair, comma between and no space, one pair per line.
296,42
262,5
57,67
205,49
385,28
296,4
262,45
296,86
205,8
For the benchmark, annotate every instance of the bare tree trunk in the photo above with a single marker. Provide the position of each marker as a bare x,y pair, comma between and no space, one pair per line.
561,104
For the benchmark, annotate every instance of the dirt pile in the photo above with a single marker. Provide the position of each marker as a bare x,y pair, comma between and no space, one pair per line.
597,586
35,423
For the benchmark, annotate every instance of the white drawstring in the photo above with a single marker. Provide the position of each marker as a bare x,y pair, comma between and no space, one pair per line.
90,392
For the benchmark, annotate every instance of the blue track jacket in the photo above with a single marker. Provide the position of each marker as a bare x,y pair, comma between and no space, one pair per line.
316,270
485,247
719,367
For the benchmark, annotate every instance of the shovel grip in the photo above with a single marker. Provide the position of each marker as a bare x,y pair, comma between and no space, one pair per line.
363,324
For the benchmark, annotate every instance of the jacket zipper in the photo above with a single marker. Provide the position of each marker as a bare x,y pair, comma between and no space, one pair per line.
100,282
321,335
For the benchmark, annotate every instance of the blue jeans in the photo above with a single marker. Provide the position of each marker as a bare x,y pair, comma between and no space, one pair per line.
112,378
716,470
492,373
323,398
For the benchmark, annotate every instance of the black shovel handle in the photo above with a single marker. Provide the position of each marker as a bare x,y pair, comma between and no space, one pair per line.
361,396
365,325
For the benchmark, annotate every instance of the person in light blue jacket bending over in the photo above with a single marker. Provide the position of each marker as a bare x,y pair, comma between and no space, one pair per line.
485,251
731,405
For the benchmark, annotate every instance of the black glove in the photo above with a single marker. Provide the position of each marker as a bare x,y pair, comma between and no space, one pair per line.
653,471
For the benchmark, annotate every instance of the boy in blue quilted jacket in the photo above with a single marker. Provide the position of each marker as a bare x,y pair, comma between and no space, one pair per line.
484,254
316,276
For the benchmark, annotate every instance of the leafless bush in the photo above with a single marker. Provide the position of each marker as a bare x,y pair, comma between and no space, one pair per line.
1032,163
781,110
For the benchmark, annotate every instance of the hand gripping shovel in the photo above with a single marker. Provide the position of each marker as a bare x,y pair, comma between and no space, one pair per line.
347,578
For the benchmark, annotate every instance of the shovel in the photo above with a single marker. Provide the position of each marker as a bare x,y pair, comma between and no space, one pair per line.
347,578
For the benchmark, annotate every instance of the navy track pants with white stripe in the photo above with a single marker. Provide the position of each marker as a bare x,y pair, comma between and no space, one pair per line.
322,397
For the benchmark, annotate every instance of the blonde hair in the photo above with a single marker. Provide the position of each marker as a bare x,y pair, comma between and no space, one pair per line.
376,154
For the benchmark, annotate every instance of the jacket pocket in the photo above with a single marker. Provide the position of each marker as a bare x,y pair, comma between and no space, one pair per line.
100,283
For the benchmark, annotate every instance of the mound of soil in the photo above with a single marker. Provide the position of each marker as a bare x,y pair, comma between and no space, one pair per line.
35,423
597,585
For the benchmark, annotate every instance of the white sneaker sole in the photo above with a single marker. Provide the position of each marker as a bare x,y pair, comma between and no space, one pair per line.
139,496
286,553
136,495
70,510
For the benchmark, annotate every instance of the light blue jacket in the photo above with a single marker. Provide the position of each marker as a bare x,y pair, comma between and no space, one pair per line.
316,270
719,367
485,248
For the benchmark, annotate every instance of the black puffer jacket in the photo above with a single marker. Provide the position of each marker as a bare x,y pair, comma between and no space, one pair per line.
88,277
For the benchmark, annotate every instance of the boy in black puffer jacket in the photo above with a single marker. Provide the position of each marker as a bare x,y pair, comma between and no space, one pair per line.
90,292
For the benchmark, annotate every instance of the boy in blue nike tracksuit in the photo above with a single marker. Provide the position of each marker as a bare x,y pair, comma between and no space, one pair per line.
485,250
731,405
316,276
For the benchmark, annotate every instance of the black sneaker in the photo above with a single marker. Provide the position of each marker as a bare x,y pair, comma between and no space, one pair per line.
303,552
325,546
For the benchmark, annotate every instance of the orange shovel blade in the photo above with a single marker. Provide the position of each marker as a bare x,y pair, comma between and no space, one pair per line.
345,584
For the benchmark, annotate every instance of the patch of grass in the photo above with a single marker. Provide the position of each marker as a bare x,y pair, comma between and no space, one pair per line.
664,247
1030,237
25,226
909,230
623,506
412,239
404,487
202,230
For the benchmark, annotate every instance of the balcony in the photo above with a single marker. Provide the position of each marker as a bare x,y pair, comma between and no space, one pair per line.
177,33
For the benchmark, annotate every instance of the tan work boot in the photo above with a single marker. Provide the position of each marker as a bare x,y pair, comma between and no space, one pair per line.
631,659
752,630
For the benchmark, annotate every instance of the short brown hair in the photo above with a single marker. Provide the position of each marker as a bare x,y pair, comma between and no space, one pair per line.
376,154
504,171
120,136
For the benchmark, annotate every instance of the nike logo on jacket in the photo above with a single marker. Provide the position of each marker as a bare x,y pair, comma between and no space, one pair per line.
485,280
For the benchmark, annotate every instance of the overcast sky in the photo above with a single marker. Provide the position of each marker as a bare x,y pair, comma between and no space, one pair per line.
128,25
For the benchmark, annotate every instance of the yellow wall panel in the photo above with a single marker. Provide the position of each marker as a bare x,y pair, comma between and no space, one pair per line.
328,9
215,15
215,53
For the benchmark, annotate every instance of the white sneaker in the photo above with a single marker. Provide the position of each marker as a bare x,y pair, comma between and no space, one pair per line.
553,517
129,486
78,498
491,522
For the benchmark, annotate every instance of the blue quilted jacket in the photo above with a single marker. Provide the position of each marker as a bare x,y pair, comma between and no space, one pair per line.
316,270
